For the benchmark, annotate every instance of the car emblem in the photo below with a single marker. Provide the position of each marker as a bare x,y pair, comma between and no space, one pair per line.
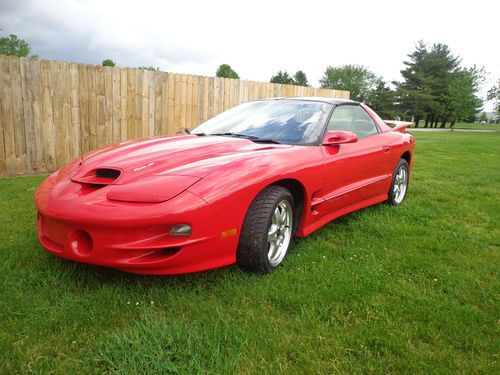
144,166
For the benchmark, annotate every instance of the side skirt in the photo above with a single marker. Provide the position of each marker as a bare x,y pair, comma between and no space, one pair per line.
302,232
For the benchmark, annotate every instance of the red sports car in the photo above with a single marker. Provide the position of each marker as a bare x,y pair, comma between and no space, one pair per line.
236,189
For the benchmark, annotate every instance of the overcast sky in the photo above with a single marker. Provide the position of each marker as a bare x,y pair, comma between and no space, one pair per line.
257,38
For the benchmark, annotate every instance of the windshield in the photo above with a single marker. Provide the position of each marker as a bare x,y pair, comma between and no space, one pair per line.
284,121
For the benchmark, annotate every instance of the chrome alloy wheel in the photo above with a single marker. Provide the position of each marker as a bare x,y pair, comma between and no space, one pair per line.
400,184
280,232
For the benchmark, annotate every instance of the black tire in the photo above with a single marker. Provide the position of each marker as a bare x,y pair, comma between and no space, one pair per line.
253,247
393,198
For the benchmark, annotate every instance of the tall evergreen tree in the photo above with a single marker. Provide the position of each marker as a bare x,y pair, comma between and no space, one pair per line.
282,77
424,90
300,79
462,101
383,101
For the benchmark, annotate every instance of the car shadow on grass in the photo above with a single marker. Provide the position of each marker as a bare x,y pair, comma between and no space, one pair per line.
80,275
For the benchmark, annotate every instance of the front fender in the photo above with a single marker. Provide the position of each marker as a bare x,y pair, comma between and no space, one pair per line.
230,190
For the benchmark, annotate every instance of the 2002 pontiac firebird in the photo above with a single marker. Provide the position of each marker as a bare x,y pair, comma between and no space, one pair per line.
236,189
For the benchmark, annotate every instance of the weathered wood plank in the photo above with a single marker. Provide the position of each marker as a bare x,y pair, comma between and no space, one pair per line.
164,104
189,103
92,98
171,103
123,104
144,124
101,107
131,99
34,80
108,105
75,110
66,124
48,140
18,115
117,111
9,160
151,104
59,130
28,123
83,103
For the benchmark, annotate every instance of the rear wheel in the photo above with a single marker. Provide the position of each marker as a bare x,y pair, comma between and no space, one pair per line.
399,186
267,230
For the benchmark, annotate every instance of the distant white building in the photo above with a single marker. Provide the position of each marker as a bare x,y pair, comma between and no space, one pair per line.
491,116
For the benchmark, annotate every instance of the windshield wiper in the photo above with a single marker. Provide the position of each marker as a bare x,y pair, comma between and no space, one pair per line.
266,140
252,138
238,135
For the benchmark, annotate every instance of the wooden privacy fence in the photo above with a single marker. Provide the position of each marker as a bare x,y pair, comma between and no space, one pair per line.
52,111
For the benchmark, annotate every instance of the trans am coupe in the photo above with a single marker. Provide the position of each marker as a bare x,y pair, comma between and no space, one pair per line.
236,189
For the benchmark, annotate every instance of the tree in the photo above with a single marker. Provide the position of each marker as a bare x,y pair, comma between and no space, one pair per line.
300,79
462,101
357,79
282,77
13,46
108,62
225,71
494,94
414,91
383,101
151,68
424,91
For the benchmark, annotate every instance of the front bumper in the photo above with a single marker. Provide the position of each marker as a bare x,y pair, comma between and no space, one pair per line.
134,237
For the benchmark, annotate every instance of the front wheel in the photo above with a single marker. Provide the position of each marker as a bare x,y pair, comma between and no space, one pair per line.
267,230
399,186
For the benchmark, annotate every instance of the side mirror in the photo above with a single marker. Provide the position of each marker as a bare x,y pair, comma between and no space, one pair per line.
339,137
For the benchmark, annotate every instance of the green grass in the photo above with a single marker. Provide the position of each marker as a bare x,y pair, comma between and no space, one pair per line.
463,125
478,126
410,289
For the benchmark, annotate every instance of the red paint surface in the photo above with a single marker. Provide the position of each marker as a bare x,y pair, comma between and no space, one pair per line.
206,182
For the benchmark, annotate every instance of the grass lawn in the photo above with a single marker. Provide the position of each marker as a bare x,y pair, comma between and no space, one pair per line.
412,289
463,125
478,126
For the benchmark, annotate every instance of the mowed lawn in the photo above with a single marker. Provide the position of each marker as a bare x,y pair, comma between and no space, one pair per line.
411,289
462,125
465,125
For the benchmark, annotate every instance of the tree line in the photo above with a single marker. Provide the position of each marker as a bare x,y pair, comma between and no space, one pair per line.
435,88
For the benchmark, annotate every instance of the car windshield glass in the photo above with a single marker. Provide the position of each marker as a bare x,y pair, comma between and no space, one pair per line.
284,121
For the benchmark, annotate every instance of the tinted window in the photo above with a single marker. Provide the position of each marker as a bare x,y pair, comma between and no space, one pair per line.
287,121
354,119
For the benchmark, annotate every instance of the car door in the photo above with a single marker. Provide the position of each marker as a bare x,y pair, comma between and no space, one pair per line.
358,171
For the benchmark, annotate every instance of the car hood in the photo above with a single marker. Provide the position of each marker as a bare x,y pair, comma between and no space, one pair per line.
187,155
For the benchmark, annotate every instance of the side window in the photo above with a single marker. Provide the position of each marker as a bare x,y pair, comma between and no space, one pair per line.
354,119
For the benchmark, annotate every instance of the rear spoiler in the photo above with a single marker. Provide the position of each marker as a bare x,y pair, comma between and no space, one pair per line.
398,126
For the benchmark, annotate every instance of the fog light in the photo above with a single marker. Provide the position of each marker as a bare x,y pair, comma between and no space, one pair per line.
180,230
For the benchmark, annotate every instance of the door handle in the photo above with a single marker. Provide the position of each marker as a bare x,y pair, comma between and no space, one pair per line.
386,148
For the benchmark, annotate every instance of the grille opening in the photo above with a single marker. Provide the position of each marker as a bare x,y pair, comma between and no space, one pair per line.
158,254
112,174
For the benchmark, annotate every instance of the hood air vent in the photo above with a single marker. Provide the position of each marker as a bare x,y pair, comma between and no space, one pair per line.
99,177
112,174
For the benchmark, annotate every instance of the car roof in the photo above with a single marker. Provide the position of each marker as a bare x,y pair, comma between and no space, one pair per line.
322,99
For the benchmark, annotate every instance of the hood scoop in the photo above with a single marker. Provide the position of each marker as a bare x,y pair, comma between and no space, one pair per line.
99,177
